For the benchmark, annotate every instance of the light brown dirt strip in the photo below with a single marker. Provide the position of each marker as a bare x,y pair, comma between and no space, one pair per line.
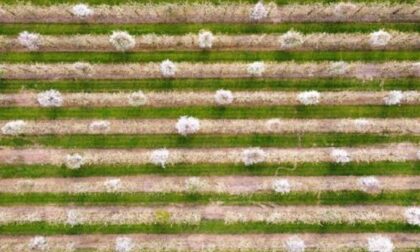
194,215
180,99
390,152
224,184
264,42
208,13
167,126
209,242
217,70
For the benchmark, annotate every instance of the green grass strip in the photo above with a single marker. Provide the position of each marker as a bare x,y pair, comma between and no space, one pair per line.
379,111
286,169
179,29
206,56
9,86
204,227
406,198
280,2
206,140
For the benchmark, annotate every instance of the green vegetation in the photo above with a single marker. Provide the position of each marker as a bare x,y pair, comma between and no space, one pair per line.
179,29
406,198
285,169
207,56
210,84
207,141
380,111
208,227
280,2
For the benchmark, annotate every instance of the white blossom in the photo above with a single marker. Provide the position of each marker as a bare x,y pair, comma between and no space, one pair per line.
369,183
418,155
379,38
38,243
294,244
256,69
394,97
167,68
73,217
159,157
361,124
273,125
380,243
113,185
82,67
223,97
258,12
122,41
81,10
124,244
291,39
412,215
32,41
253,156
281,186
344,9
14,128
309,97
340,156
205,39
194,184
187,125
100,126
137,98
50,98
338,68
74,161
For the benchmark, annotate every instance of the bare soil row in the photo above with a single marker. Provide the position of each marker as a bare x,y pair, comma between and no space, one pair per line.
264,42
209,13
178,214
391,152
209,242
167,126
224,184
360,70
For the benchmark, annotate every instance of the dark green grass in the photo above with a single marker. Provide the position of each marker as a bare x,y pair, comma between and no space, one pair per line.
285,169
116,2
206,56
209,84
379,111
205,227
206,141
406,198
179,29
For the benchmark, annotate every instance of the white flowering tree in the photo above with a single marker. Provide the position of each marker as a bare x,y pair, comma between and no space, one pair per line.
124,244
38,243
256,69
223,97
253,156
309,97
187,125
369,184
122,41
380,243
113,185
168,68
50,98
340,156
81,10
291,39
205,39
258,12
32,41
412,215
281,186
14,128
159,157
74,161
294,244
100,126
136,99
379,38
394,97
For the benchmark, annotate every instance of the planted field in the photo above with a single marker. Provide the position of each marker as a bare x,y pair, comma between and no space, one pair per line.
210,125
